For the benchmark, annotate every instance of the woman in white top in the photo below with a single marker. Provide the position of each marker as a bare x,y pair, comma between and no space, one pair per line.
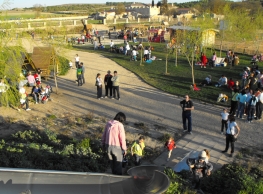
99,86
231,134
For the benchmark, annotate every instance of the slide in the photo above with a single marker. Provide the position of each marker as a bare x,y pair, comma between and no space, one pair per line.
141,180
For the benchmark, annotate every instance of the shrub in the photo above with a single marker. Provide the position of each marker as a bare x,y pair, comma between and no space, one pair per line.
234,179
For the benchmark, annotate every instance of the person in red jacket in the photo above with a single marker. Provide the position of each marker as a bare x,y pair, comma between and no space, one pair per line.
230,84
170,145
203,60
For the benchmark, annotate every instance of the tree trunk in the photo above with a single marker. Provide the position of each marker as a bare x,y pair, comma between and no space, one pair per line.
176,56
55,74
192,67
166,63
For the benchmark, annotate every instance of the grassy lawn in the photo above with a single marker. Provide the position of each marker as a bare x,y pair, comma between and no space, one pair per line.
179,79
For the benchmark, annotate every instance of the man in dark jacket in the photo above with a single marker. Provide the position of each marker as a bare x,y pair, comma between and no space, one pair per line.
108,84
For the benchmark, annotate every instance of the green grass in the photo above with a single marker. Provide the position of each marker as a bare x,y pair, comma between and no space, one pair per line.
179,79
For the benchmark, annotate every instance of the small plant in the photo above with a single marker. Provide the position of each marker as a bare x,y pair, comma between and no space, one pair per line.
90,116
164,138
103,119
143,127
84,144
52,117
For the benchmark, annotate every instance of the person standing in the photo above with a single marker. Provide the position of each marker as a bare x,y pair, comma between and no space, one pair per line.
224,116
232,132
31,80
234,102
251,107
115,86
77,60
79,75
187,106
23,99
108,84
214,60
259,106
111,45
83,73
113,140
99,86
241,97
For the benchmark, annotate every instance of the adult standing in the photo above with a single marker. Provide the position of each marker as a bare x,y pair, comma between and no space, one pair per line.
241,97
232,132
31,80
111,45
113,140
234,102
259,106
115,85
187,106
214,60
99,86
79,75
83,72
108,84
77,60
251,107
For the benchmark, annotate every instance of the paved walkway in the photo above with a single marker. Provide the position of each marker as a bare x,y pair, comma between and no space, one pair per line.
144,103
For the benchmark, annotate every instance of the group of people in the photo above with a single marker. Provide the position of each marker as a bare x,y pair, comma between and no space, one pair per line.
112,84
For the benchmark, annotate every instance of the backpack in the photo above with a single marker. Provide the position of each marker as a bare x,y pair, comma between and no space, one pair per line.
253,101
79,71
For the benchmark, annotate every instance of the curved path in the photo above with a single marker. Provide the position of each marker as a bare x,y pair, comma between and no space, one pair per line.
144,103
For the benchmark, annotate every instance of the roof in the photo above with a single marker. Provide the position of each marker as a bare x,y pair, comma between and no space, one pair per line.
183,28
41,57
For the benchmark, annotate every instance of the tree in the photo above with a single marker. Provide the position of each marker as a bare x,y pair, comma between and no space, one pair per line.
38,8
120,8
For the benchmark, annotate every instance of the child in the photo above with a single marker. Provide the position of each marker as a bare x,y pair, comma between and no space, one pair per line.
170,145
137,149
224,116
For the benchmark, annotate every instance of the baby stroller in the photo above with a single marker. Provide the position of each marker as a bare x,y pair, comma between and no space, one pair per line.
45,94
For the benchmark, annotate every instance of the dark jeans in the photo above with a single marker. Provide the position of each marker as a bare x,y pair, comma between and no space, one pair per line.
77,64
233,107
99,91
36,97
107,88
229,139
224,124
189,118
259,107
116,89
240,110
79,80
251,110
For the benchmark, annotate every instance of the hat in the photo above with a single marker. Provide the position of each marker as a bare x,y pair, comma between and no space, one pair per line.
109,71
202,155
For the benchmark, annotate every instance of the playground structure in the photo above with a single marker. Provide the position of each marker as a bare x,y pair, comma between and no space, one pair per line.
156,35
141,180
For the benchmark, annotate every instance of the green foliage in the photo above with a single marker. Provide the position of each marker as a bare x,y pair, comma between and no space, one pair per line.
178,185
50,151
164,138
84,144
234,179
63,65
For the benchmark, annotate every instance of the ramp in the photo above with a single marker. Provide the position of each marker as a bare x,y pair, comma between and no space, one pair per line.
148,180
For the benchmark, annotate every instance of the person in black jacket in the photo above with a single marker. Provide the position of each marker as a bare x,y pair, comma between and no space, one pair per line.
108,84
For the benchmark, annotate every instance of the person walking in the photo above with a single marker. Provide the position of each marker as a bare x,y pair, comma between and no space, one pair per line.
115,85
99,86
170,145
108,84
113,141
187,106
77,60
232,132
83,73
137,150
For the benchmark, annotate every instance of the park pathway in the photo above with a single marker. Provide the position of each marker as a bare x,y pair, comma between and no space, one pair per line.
144,103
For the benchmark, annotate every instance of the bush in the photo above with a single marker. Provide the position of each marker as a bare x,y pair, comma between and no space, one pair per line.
63,65
234,179
50,151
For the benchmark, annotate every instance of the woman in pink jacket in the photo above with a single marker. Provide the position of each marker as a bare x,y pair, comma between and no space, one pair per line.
114,141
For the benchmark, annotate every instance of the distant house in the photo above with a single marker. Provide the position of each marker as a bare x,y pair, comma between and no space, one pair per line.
185,13
146,10
208,35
